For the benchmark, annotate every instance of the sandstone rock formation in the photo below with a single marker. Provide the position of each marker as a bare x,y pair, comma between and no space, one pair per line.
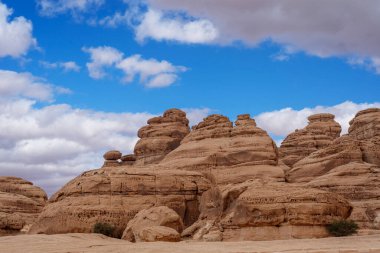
115,195
318,134
162,135
112,158
360,184
360,145
158,233
256,210
231,154
20,204
155,216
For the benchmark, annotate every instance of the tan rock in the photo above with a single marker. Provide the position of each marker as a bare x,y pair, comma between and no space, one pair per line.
362,144
318,134
158,234
20,204
230,154
162,135
365,127
128,159
155,216
359,183
256,210
341,151
116,196
112,155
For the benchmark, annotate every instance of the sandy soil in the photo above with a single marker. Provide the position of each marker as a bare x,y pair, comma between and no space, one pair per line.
75,243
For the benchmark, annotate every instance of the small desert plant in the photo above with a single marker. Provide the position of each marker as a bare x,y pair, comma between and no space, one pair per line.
104,228
342,228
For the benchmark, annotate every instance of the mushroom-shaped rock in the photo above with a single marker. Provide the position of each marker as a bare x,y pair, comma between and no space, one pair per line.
319,133
158,234
111,158
128,159
112,155
155,216
20,204
162,135
231,154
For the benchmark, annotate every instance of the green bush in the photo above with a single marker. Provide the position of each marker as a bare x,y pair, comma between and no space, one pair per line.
104,228
342,228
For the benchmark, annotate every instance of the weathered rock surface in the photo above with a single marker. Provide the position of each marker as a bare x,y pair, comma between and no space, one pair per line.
360,184
318,134
162,135
158,234
112,158
230,154
155,216
360,145
20,204
256,210
116,195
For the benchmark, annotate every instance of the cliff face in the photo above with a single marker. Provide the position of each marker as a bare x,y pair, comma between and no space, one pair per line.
227,181
20,204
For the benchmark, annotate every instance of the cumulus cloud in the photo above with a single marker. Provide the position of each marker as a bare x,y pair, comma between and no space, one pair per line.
156,26
283,122
101,57
53,144
325,28
65,66
15,35
151,72
14,84
54,7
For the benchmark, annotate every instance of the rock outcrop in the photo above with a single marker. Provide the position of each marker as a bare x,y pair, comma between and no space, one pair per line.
318,134
162,135
112,158
115,195
360,184
20,204
231,154
256,210
158,234
153,217
361,144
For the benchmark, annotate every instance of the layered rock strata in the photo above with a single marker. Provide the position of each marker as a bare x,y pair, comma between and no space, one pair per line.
20,204
231,154
116,195
321,130
360,184
361,144
255,210
162,135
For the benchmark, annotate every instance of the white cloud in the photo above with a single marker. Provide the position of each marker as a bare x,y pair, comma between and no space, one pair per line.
14,84
151,72
155,25
102,57
54,7
324,28
15,35
65,66
283,122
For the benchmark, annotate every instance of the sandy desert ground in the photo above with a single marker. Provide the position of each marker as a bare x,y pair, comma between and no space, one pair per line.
83,243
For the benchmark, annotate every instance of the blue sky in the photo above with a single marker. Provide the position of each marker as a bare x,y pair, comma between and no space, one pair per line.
277,60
